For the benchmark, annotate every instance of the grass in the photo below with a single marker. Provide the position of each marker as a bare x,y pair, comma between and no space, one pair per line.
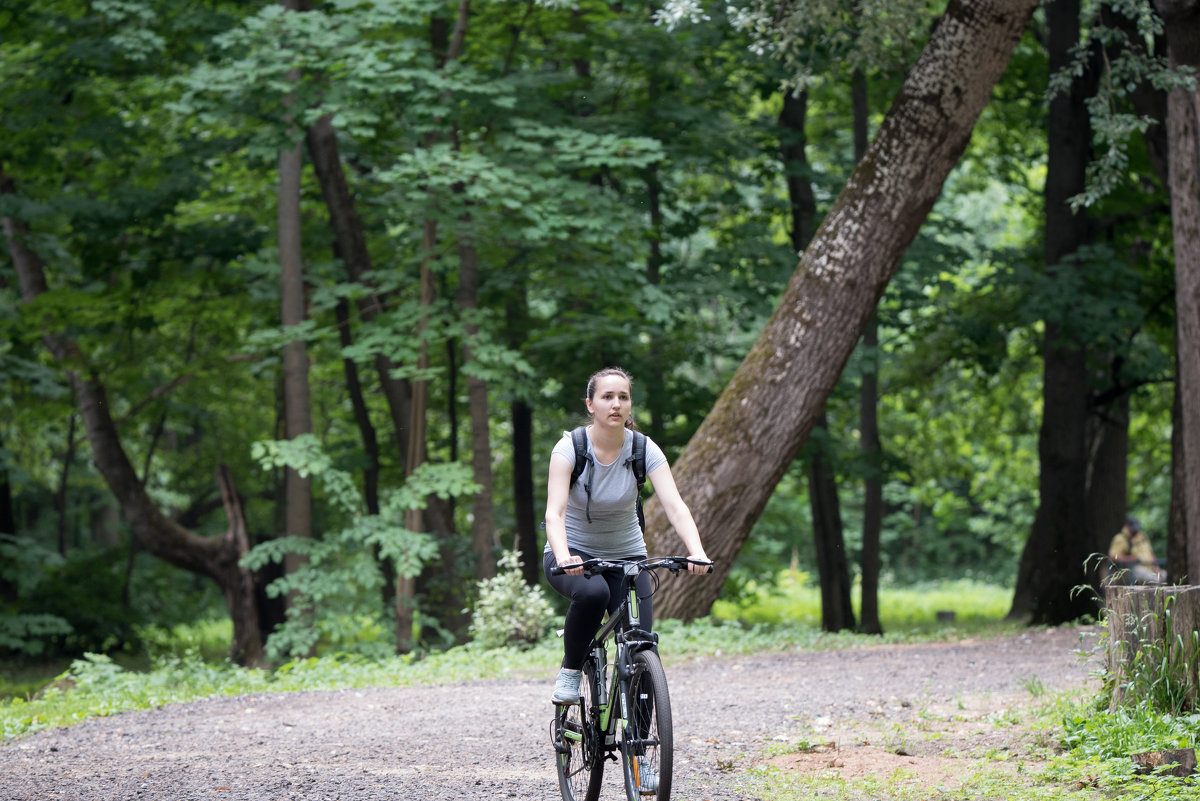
794,599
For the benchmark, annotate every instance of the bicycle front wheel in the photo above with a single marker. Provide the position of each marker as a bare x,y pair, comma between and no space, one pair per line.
647,748
578,744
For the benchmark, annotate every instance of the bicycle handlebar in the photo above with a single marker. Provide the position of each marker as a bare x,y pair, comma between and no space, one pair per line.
593,566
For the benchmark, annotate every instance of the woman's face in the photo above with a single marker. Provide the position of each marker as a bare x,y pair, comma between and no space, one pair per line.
610,404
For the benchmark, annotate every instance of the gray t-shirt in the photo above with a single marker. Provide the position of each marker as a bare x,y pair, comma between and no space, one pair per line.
613,532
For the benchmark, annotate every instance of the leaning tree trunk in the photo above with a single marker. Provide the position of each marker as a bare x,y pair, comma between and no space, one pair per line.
215,557
760,421
1182,18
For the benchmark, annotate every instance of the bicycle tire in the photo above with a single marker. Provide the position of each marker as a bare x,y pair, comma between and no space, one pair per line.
648,738
579,747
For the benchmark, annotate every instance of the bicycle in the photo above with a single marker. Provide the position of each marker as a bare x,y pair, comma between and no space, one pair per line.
587,733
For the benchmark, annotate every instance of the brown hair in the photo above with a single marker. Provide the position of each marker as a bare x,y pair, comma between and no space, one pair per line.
607,371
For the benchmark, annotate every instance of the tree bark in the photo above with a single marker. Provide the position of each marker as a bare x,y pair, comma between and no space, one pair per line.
352,248
1162,620
483,528
414,519
297,411
868,416
215,557
872,452
1052,563
60,496
1182,18
764,415
837,612
1177,531
8,525
1106,487
523,491
524,506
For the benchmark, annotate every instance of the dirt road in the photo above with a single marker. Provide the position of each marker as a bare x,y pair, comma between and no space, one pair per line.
490,739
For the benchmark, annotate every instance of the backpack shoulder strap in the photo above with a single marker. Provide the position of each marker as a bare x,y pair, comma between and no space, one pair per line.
637,463
579,440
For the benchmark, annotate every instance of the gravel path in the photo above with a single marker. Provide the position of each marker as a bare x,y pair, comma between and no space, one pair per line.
490,739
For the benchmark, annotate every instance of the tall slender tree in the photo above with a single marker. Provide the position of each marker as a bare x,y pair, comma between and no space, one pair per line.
297,409
1182,18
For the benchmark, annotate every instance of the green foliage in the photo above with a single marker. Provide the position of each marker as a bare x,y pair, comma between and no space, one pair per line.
509,612
334,596
1127,41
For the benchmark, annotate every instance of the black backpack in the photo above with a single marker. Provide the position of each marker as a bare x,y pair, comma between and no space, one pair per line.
636,462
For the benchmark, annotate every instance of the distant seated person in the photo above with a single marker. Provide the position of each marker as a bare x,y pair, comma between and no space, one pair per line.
1131,550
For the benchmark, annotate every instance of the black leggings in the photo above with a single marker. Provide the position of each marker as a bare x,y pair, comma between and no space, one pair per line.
590,598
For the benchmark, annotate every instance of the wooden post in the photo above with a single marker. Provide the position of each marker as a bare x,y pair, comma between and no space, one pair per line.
1163,618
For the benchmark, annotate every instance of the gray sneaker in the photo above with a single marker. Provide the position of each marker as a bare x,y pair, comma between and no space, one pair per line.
647,777
566,687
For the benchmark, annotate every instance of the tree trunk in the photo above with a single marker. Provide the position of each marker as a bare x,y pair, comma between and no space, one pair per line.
872,451
297,411
414,518
829,540
523,492
483,529
868,416
61,496
1177,542
8,525
837,612
524,506
1162,624
1182,25
1052,564
1106,486
764,415
352,247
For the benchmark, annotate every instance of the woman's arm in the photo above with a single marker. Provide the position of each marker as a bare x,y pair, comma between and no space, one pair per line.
558,485
678,513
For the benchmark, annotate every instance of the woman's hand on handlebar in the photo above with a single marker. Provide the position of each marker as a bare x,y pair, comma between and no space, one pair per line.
699,563
571,565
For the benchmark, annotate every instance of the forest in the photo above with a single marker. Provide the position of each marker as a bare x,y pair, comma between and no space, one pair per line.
298,297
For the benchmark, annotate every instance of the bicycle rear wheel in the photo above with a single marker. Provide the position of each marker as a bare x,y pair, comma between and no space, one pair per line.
647,748
579,747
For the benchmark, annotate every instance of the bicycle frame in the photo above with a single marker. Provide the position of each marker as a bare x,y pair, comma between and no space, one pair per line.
624,626
632,701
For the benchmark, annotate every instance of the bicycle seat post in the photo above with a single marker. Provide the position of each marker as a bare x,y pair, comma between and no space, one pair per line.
632,570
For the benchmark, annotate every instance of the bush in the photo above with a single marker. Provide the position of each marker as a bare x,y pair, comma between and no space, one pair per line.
509,611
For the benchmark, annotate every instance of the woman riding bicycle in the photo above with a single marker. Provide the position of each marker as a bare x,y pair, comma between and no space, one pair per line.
597,518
